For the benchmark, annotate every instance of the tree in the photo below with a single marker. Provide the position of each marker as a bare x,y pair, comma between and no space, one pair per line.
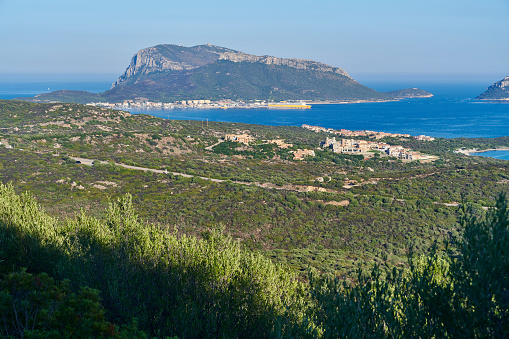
36,306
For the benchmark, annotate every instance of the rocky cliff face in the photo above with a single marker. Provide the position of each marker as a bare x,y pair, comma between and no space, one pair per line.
293,63
504,83
162,58
497,91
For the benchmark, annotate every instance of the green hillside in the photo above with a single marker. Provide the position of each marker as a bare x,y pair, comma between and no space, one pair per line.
389,203
495,93
207,239
225,79
167,285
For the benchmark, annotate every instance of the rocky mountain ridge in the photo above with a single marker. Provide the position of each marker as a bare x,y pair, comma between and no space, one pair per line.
162,58
293,63
170,58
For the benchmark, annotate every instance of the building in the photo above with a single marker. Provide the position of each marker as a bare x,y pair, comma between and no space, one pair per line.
301,153
242,138
280,143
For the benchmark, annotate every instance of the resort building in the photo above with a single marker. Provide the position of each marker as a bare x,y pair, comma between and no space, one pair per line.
242,138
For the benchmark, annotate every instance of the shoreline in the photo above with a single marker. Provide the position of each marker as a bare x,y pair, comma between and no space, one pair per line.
496,100
311,102
326,102
334,102
475,150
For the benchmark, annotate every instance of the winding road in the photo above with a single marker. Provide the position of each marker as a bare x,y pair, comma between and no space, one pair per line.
89,162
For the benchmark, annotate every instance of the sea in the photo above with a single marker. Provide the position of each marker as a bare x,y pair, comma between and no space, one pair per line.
451,113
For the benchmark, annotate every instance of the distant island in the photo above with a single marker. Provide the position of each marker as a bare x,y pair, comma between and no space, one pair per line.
497,91
172,73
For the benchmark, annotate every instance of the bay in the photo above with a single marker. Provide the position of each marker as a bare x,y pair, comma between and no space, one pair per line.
450,113
15,86
502,154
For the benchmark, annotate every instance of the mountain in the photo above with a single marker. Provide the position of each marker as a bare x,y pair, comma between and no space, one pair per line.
168,73
497,91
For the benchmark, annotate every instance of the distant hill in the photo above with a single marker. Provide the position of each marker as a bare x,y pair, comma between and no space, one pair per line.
497,91
168,73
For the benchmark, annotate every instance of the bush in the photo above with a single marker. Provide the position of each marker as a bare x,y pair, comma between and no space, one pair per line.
462,293
174,285
482,271
35,306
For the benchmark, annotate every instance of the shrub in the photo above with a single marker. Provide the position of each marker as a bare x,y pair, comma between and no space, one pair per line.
460,293
35,306
174,285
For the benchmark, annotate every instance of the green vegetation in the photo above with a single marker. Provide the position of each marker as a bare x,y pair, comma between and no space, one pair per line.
231,257
331,212
172,285
462,293
35,306
225,79
210,288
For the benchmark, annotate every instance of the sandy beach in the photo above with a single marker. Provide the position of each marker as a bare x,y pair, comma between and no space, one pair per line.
475,150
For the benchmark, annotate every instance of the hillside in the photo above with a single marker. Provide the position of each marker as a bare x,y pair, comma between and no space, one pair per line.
166,229
497,91
167,73
331,211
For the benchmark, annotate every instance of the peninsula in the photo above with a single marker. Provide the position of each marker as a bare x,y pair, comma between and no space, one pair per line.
174,73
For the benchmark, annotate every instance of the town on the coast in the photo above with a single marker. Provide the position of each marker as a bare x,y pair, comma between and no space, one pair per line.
366,133
144,103
366,148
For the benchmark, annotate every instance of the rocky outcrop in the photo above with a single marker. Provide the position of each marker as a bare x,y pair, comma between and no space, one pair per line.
168,58
162,58
270,60
497,91
504,83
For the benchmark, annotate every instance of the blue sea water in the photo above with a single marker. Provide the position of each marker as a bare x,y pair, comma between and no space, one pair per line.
502,154
15,89
451,112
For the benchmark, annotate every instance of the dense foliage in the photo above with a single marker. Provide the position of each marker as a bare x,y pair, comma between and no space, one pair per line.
331,211
172,285
460,294
36,306
210,288
201,267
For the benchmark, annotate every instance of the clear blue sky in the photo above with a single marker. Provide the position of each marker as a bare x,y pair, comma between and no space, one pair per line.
367,38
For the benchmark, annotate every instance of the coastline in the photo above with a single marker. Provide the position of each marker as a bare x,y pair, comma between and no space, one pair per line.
475,150
338,102
40,98
243,105
503,100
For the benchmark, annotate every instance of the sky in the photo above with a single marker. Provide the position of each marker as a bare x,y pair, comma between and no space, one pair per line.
370,39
